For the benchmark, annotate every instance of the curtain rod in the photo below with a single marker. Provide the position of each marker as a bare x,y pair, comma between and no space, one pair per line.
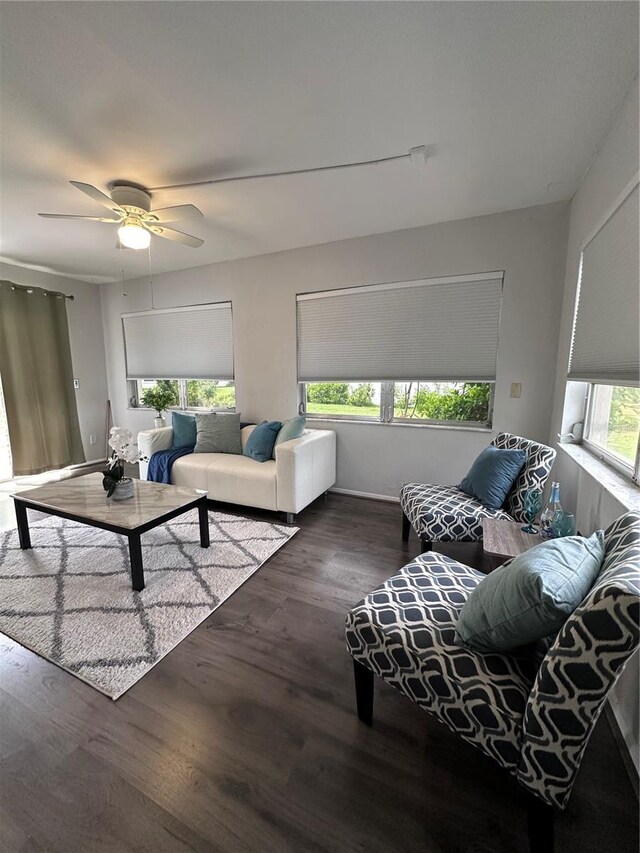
45,292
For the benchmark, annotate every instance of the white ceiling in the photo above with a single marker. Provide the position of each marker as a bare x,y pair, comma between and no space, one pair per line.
512,100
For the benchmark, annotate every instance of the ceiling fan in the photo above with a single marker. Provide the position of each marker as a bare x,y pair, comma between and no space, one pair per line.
131,209
131,204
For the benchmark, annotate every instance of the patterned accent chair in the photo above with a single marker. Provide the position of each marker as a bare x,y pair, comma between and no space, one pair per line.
530,710
445,514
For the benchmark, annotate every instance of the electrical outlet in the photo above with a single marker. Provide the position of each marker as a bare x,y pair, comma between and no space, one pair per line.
516,388
93,439
76,383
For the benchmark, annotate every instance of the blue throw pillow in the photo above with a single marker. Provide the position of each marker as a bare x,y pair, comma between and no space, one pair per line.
184,429
531,596
291,429
492,475
260,443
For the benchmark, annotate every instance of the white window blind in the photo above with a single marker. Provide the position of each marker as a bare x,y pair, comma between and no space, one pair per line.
195,342
606,333
433,329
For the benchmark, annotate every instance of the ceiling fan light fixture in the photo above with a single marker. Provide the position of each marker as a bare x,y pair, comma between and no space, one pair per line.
132,235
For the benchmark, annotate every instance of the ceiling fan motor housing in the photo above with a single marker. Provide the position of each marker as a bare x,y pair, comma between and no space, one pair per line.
132,199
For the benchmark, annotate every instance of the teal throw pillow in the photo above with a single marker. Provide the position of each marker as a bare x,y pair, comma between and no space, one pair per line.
260,443
291,429
492,474
531,596
218,433
184,429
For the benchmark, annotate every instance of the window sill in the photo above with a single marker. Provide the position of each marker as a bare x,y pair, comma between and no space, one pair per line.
176,409
616,484
373,422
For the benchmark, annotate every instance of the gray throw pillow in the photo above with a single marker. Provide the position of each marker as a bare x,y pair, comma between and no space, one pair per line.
218,433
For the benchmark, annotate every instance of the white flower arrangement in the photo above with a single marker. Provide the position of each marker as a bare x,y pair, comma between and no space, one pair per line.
121,440
124,450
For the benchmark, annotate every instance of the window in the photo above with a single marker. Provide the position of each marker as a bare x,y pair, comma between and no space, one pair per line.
434,330
193,343
605,347
613,426
443,402
443,332
210,394
189,393
343,399
405,402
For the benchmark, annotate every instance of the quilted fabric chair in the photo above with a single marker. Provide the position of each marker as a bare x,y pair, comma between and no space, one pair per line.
445,514
531,711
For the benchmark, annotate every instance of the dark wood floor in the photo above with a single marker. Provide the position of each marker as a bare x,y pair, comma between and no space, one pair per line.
244,738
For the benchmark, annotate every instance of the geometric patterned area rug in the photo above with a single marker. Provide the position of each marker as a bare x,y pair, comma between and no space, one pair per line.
69,599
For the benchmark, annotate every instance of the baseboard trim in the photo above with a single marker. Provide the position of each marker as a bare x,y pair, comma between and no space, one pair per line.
368,495
87,463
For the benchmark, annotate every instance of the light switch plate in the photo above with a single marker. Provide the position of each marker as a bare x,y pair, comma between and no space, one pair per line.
76,383
516,388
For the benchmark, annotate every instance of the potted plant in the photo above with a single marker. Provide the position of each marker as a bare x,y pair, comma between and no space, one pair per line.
116,485
159,399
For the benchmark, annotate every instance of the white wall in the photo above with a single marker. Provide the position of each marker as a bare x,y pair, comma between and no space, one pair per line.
87,348
528,244
611,171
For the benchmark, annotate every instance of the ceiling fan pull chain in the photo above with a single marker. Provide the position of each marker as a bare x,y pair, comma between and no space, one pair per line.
153,305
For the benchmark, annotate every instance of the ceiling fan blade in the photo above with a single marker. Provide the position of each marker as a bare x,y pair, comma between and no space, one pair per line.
97,195
173,214
74,216
176,236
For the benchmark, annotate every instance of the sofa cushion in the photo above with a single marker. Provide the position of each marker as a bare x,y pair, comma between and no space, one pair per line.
260,443
184,429
492,474
233,478
405,632
531,596
293,428
240,480
191,470
218,432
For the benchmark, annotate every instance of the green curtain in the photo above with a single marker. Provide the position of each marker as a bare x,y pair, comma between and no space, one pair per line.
37,380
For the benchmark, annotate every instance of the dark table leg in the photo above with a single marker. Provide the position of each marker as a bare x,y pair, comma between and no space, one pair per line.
135,556
23,524
203,514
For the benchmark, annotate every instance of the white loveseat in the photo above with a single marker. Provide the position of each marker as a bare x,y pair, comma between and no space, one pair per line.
303,469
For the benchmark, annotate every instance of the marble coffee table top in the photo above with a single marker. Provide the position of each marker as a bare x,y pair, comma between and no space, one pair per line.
84,496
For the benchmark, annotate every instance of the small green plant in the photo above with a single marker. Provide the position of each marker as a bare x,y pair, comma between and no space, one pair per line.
158,399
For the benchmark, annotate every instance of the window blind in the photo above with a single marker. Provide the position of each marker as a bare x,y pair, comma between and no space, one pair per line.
606,333
195,342
433,329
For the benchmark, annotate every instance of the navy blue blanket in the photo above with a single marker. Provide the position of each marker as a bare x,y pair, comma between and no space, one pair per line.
161,462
